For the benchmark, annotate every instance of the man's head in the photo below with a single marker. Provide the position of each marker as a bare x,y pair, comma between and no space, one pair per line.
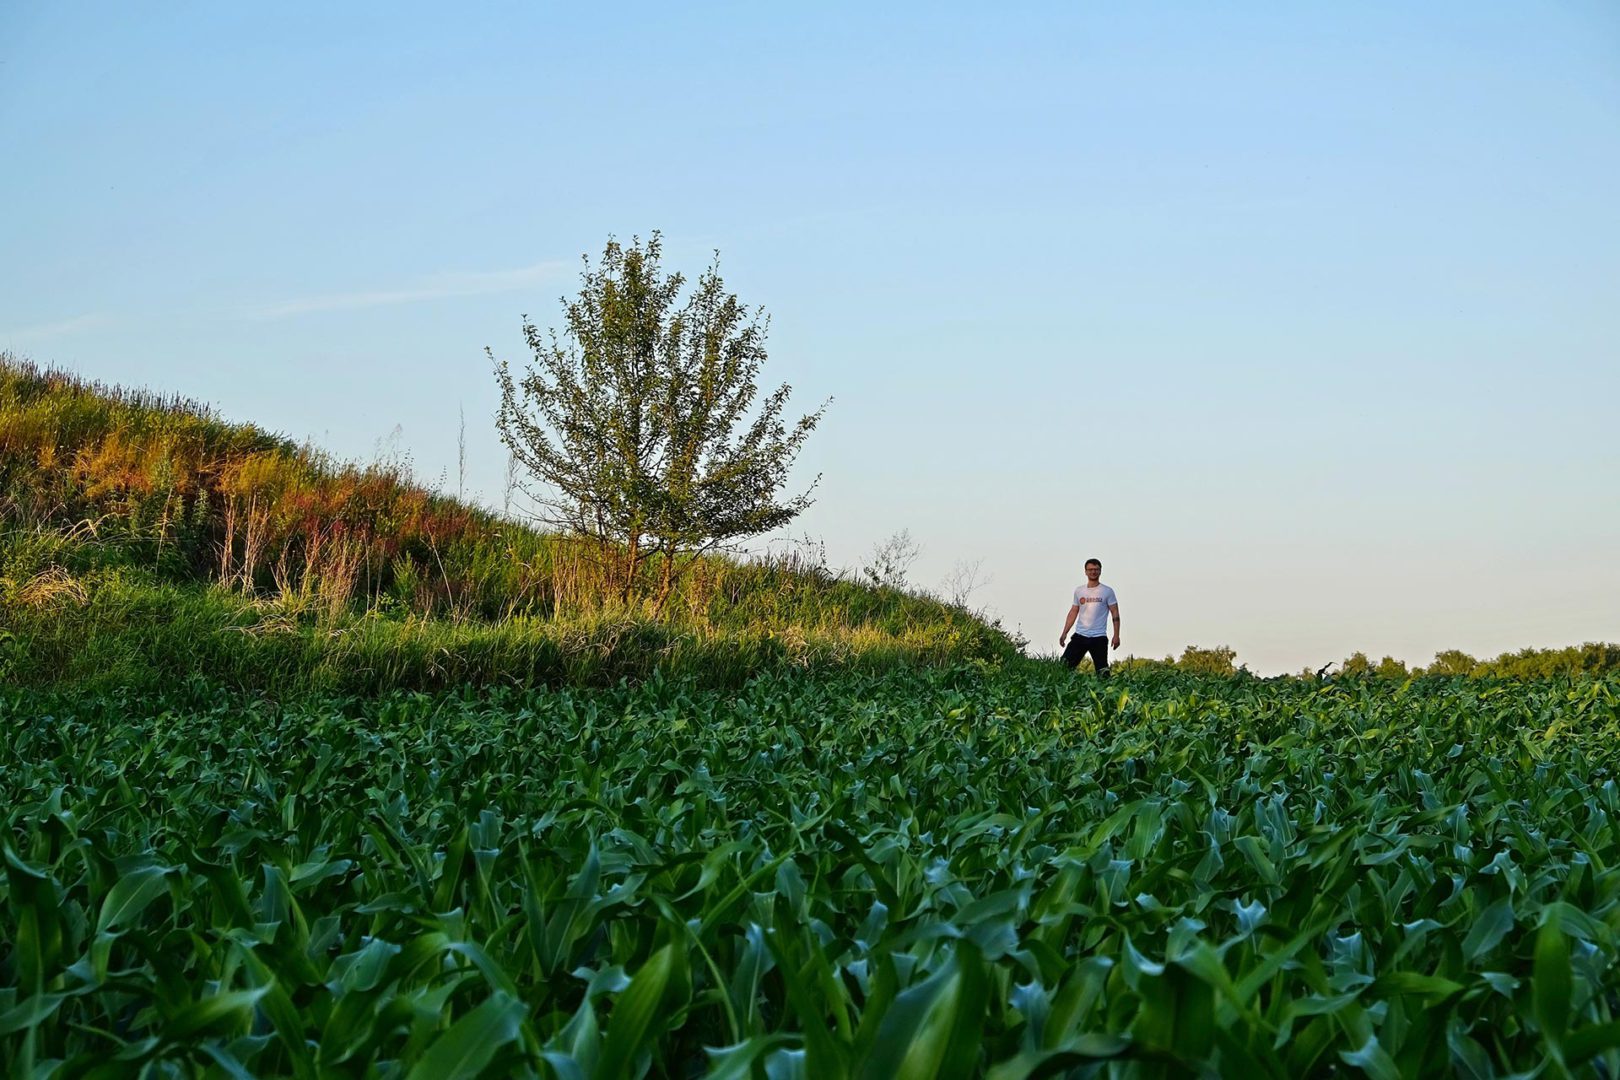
1093,570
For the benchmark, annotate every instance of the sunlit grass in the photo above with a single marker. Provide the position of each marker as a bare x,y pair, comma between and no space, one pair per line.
145,540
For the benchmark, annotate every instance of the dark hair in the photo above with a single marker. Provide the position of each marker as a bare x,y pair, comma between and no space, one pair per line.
1097,561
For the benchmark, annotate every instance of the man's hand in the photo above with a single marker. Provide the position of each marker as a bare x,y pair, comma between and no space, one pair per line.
1063,639
1116,641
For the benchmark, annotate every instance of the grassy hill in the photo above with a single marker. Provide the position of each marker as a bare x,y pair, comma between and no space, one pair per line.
148,540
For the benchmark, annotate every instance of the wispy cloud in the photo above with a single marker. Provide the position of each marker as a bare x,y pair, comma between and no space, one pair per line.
438,287
46,331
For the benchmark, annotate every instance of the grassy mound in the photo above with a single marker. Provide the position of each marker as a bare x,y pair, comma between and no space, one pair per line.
148,540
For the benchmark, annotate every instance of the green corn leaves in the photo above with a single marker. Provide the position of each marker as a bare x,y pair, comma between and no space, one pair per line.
932,1030
1176,1008
653,998
131,895
471,1042
1489,928
930,875
1552,985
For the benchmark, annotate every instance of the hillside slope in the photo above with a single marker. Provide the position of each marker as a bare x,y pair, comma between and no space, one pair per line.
146,540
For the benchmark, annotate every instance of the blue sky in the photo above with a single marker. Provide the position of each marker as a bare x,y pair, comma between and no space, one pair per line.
1302,317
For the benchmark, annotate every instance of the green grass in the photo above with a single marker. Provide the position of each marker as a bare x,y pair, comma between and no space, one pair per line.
145,541
87,615
996,870
150,636
95,479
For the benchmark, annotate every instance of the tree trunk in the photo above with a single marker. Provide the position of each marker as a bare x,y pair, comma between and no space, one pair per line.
667,583
632,560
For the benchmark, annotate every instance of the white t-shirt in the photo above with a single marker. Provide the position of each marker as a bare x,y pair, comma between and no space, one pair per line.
1093,604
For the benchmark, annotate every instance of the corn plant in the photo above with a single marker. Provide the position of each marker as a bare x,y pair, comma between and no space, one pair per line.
979,871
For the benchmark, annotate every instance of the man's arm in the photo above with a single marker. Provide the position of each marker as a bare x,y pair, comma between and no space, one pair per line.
1063,638
1113,609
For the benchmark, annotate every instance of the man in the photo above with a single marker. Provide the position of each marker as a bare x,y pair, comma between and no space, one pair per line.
1093,602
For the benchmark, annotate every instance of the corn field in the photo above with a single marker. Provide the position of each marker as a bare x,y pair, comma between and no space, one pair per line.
1000,871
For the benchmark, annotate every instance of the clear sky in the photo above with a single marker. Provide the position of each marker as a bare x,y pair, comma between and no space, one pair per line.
1305,318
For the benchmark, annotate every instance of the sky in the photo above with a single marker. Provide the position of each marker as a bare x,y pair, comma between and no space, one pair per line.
1302,317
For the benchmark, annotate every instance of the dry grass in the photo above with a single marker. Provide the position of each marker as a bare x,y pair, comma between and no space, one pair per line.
49,588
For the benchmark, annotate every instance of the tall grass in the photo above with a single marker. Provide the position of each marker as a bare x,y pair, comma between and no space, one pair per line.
147,539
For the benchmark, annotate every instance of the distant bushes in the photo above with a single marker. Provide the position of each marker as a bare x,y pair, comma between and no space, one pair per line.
1592,658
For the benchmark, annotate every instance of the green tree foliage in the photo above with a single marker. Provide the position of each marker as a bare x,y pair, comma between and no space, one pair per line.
638,424
1219,660
1452,662
1356,665
1391,668
1589,659
1592,658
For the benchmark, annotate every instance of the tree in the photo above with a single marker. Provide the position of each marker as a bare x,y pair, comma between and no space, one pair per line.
1452,662
890,561
1356,665
1208,661
638,426
1390,668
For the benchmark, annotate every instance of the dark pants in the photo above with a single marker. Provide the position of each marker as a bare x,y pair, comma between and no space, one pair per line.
1079,646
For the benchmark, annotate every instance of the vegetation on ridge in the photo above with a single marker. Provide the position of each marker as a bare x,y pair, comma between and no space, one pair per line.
146,539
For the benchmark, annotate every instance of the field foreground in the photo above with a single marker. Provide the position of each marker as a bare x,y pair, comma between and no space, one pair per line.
985,870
